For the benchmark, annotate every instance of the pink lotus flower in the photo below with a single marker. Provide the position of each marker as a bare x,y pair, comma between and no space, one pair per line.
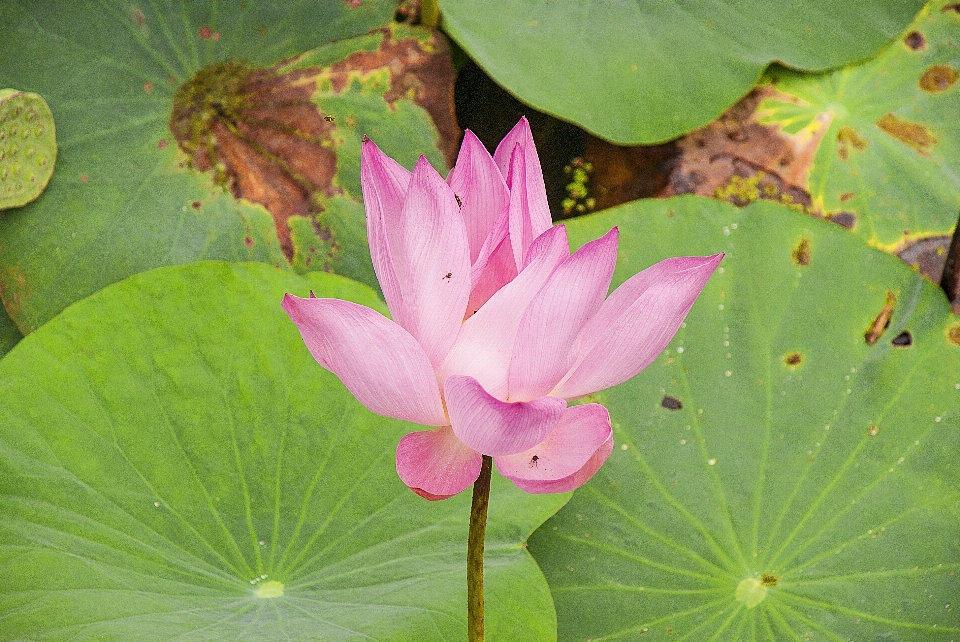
495,325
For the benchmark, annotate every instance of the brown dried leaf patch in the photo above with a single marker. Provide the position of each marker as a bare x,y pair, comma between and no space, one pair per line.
926,255
740,160
262,135
734,158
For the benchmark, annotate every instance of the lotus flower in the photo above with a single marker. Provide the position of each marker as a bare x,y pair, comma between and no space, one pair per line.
495,325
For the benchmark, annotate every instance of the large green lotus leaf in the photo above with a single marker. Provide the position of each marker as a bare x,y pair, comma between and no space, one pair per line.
889,136
775,476
645,72
170,452
159,164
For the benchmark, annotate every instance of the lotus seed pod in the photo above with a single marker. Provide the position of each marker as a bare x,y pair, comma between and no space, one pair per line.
28,147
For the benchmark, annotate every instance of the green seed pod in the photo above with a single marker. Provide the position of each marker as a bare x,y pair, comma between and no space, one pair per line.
28,147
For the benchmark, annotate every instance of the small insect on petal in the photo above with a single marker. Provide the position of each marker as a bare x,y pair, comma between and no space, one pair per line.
459,202
447,276
533,462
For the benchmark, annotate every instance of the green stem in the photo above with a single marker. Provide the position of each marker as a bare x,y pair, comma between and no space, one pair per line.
478,529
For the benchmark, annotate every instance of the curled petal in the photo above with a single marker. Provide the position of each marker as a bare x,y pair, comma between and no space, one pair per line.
495,427
477,182
529,182
635,324
435,464
486,339
434,264
377,360
567,458
384,184
575,291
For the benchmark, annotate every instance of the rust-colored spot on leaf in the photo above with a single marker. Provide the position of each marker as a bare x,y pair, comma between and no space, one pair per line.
205,32
793,359
846,196
953,6
938,78
953,335
248,241
882,322
163,143
801,253
915,41
848,138
671,403
844,219
769,580
909,133
196,205
148,86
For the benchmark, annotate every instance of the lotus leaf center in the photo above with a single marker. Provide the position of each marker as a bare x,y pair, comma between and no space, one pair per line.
751,591
270,589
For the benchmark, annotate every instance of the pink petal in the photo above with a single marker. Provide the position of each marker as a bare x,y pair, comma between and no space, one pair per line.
485,343
636,323
495,427
433,263
384,184
542,354
494,267
521,230
532,186
477,182
377,360
435,464
568,457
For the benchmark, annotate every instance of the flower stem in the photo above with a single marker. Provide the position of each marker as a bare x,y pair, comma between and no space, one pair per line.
478,529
